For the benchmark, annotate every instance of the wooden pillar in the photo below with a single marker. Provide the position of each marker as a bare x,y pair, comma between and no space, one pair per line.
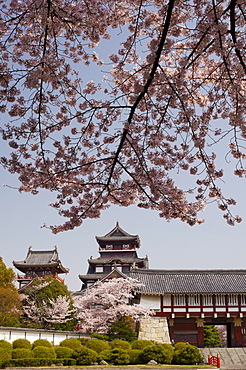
200,332
171,327
238,332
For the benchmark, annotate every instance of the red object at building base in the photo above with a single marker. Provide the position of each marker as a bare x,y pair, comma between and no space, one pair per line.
214,360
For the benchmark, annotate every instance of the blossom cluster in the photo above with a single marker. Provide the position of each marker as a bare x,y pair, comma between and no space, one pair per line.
170,91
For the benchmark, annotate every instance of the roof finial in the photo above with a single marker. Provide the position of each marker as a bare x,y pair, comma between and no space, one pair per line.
30,248
117,223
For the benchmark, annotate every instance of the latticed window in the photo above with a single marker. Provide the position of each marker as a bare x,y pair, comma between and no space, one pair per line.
220,300
179,300
243,299
207,300
232,300
194,300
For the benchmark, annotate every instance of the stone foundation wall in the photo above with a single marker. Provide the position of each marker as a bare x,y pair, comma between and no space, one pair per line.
154,328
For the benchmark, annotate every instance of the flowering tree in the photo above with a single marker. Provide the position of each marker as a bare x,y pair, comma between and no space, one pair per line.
48,303
106,302
171,90
56,310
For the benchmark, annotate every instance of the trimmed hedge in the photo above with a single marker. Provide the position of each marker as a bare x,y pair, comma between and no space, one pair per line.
41,342
33,362
22,353
5,357
187,355
120,344
22,343
5,344
142,343
72,343
135,356
44,352
116,356
86,356
97,345
64,352
158,353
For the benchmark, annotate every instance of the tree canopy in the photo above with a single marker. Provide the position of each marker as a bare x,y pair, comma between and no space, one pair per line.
10,303
116,127
107,302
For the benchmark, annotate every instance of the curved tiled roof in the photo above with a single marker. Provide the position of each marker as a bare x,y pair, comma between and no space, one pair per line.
118,234
42,259
190,281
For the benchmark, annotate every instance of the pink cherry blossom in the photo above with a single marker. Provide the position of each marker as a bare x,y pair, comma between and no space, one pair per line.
106,302
121,129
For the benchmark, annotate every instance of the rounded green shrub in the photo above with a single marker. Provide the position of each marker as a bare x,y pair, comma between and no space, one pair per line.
116,356
187,355
43,352
179,345
141,343
86,356
158,353
22,353
97,345
5,357
72,343
134,355
5,344
120,344
63,352
41,342
168,346
22,343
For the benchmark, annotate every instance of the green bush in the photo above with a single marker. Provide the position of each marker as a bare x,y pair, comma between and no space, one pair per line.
187,355
179,345
44,352
97,345
141,343
116,356
41,342
67,361
168,346
64,352
120,344
158,353
22,353
72,343
32,362
86,356
5,344
5,357
134,355
22,343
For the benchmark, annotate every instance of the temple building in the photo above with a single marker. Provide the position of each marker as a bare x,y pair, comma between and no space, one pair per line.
118,252
183,300
190,299
39,264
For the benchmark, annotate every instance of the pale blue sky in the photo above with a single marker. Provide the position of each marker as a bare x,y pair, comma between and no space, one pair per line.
172,245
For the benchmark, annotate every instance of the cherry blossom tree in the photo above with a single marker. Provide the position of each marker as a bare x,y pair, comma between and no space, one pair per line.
170,90
48,303
56,310
106,302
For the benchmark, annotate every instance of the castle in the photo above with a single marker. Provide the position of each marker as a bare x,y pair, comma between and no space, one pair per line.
183,300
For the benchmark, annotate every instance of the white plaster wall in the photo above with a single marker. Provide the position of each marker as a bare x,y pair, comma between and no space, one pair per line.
151,301
55,337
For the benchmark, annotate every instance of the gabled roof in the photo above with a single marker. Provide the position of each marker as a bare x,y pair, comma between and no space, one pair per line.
190,281
41,259
118,234
122,259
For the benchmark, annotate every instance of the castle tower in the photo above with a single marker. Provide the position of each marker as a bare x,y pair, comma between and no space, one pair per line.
118,250
39,264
